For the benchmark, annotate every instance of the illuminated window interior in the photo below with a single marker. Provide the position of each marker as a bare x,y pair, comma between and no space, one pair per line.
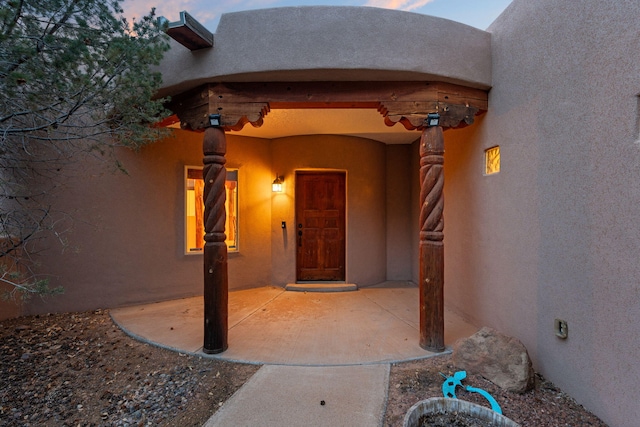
194,210
492,160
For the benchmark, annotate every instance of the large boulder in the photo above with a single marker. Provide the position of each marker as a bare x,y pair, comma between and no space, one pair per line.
501,359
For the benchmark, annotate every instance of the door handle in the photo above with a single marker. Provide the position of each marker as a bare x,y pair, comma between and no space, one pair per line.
300,238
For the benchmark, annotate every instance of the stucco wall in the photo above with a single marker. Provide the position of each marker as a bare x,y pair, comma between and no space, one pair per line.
333,43
555,234
126,241
10,307
364,161
400,230
126,245
251,266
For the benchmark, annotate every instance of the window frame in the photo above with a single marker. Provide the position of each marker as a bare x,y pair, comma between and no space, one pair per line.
189,205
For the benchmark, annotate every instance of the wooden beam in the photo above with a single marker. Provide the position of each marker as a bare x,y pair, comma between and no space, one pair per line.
192,107
404,102
349,92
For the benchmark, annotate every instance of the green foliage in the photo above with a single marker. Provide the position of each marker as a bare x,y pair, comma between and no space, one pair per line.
23,287
76,79
73,69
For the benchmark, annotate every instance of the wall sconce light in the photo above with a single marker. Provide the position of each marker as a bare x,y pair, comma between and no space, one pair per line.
215,120
276,186
433,119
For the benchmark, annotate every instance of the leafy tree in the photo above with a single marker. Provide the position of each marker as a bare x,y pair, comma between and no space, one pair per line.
76,80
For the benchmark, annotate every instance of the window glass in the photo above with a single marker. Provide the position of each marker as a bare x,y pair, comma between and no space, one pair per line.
194,210
492,160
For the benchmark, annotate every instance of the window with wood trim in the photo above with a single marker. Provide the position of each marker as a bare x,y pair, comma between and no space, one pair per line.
194,210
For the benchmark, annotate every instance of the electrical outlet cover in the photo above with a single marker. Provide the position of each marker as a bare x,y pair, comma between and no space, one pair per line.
561,329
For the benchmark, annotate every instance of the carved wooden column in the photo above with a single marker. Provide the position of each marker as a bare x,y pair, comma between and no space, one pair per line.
431,239
216,289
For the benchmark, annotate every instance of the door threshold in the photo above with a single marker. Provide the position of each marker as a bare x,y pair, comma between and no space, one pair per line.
321,287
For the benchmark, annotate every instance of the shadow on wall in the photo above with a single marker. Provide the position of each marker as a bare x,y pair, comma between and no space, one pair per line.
463,161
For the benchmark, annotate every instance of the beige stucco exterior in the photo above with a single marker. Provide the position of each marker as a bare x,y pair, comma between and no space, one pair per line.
333,44
127,242
554,235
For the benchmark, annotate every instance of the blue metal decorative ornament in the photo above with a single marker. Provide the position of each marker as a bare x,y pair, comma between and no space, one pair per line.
450,384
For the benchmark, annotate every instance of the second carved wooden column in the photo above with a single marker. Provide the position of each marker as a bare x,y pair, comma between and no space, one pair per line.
431,239
216,289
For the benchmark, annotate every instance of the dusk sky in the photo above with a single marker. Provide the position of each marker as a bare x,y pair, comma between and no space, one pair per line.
477,13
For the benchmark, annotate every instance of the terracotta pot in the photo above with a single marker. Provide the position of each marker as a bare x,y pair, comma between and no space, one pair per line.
442,405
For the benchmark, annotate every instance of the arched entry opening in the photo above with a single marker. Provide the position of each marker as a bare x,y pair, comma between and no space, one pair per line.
428,107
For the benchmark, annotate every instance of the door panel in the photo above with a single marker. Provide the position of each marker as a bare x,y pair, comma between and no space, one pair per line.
320,226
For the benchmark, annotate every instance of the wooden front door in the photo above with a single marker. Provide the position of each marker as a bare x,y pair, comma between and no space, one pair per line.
320,226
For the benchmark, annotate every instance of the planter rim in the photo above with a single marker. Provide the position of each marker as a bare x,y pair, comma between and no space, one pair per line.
446,405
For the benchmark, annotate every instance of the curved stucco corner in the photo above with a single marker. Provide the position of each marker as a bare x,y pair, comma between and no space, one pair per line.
333,43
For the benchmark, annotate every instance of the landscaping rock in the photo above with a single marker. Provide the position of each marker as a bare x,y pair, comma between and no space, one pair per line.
501,359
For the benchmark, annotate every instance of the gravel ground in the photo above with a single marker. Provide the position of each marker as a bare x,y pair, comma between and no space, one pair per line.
82,370
79,369
544,406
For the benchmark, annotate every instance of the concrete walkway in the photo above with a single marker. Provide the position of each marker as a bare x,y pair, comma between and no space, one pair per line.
293,395
331,347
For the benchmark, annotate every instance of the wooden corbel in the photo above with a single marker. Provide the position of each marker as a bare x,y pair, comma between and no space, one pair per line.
413,114
456,105
194,108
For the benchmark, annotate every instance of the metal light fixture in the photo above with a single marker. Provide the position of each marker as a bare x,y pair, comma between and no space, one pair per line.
215,120
276,186
433,119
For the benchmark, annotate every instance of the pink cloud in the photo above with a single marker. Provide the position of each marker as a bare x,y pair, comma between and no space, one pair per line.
398,4
169,9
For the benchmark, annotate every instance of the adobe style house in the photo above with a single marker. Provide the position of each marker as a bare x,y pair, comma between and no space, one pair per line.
539,124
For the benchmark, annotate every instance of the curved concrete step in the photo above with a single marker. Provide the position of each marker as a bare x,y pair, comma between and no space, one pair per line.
321,287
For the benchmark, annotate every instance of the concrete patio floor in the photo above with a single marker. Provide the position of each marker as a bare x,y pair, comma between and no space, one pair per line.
272,326
316,348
